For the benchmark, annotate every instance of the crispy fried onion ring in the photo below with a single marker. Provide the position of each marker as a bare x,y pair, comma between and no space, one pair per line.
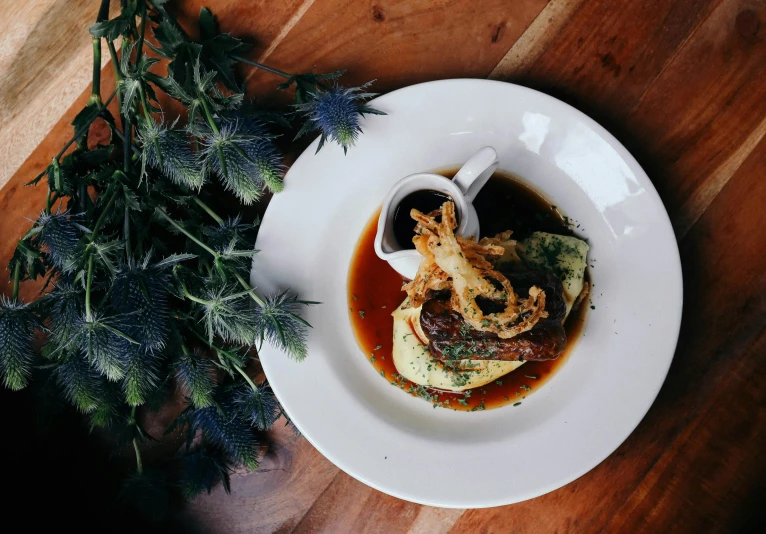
466,268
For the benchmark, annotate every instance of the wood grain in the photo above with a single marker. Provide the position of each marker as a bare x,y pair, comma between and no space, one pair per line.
681,83
45,61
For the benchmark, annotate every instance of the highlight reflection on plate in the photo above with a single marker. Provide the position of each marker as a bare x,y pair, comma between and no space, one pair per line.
400,444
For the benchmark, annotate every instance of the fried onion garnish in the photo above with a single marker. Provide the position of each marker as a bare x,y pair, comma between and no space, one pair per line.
466,268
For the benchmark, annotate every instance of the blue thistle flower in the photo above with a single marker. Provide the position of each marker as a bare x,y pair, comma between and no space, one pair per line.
59,236
222,427
259,406
278,322
243,157
195,376
17,331
83,386
335,113
169,151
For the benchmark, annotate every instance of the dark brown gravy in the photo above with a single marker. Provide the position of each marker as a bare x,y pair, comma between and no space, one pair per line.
426,201
374,291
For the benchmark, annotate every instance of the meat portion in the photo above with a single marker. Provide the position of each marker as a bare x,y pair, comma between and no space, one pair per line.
451,338
523,279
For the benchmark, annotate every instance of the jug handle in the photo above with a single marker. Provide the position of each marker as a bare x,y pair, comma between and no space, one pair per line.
476,171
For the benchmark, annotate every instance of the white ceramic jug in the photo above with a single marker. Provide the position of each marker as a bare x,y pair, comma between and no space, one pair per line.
462,189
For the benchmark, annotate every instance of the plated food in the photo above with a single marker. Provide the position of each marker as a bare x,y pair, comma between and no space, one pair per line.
476,311
604,381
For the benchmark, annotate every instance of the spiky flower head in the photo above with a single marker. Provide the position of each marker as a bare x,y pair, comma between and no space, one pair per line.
278,322
201,470
259,406
17,330
169,151
195,378
81,383
59,236
335,112
140,293
227,313
243,157
223,428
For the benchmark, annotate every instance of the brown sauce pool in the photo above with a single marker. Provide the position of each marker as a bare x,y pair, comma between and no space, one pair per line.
375,291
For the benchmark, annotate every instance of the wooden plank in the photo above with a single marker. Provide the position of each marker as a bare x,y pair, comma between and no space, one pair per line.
400,42
712,99
536,39
603,58
46,59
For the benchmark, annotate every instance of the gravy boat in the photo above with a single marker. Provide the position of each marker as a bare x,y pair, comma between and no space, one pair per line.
462,189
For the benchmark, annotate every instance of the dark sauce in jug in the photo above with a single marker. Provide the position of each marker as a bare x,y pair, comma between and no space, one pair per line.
425,201
374,291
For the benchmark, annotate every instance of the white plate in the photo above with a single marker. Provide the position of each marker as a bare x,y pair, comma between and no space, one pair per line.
401,445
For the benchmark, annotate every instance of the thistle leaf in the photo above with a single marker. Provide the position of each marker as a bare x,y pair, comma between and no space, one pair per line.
17,331
195,375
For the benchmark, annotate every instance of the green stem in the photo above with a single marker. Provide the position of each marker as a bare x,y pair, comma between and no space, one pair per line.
214,127
144,102
208,209
117,77
126,232
139,463
127,143
262,66
244,375
245,285
95,90
49,201
141,32
184,231
16,280
103,215
88,285
209,116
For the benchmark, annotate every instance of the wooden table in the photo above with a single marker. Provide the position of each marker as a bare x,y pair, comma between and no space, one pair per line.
681,83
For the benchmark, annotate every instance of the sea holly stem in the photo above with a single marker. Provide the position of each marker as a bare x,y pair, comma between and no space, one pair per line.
214,127
95,92
139,463
258,300
148,117
208,209
16,280
88,285
262,66
141,32
188,234
89,276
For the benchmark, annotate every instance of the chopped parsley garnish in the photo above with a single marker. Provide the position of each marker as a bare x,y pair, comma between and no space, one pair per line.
361,314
